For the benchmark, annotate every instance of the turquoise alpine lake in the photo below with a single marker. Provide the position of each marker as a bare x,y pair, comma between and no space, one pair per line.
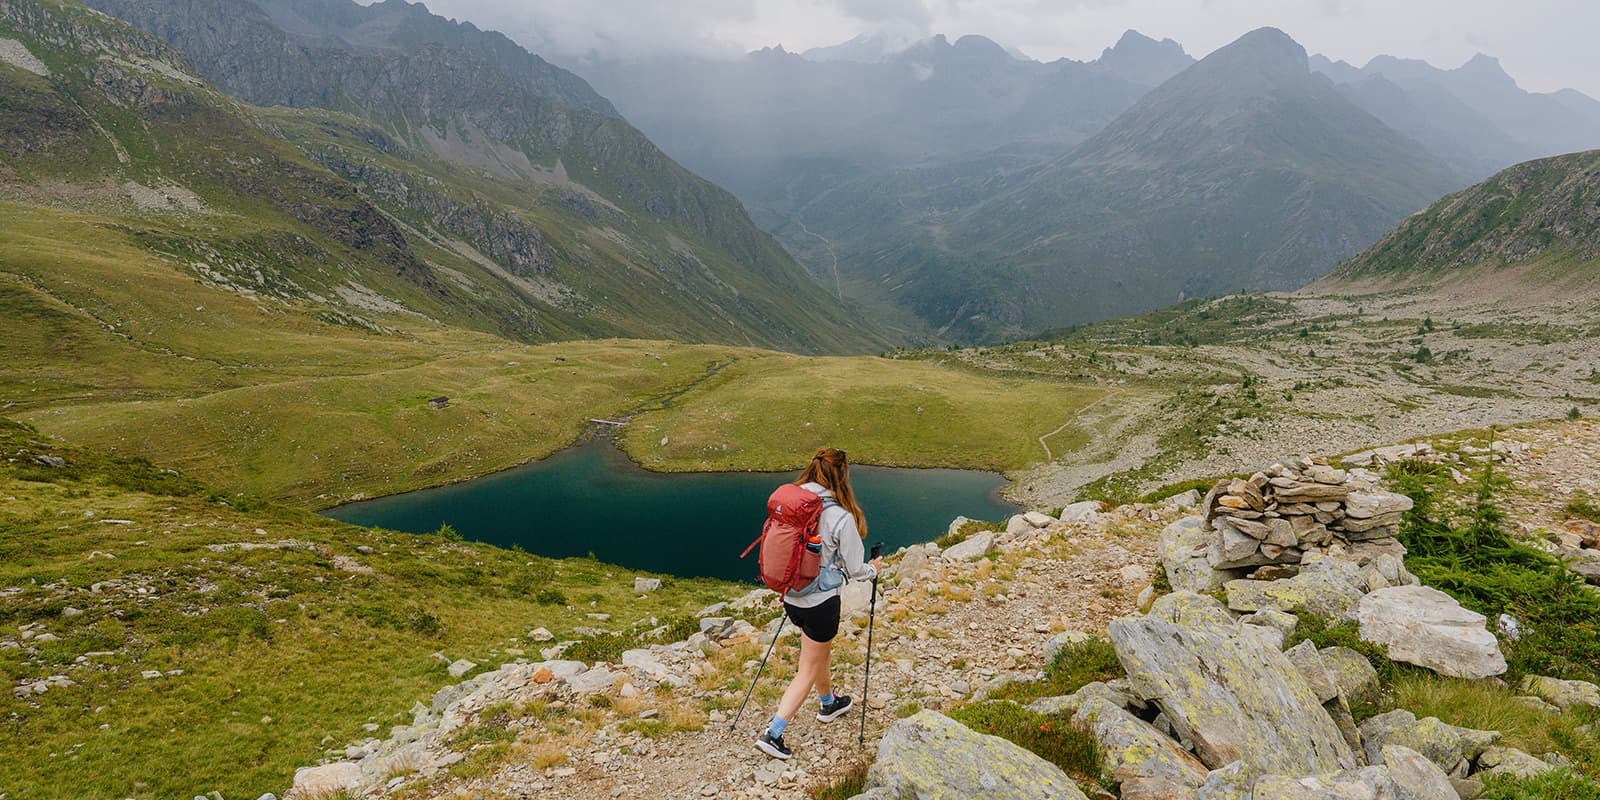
591,500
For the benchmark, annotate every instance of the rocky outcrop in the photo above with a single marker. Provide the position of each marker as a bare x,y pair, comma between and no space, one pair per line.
1232,696
1426,627
929,756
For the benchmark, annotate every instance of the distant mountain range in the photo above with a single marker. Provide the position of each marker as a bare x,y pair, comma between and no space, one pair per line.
963,193
444,170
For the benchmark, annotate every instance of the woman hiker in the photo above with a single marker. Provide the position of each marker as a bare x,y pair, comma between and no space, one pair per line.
815,609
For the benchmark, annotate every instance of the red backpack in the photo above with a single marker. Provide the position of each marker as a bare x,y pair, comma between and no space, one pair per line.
785,561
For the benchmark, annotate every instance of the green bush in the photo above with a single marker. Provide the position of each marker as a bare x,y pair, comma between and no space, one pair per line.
550,597
1077,664
1475,560
1053,739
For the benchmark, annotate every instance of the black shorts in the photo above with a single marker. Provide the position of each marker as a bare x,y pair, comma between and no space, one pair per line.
819,624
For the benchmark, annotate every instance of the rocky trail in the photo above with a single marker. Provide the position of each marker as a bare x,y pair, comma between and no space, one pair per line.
953,625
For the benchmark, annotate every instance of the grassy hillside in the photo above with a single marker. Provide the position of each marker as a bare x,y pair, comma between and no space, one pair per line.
1545,212
277,634
593,234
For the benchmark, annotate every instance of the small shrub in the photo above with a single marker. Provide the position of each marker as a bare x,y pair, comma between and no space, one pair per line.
550,597
1574,413
1077,664
1582,506
850,784
448,533
1053,739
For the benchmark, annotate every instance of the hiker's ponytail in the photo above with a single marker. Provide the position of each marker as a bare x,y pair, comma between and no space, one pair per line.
830,468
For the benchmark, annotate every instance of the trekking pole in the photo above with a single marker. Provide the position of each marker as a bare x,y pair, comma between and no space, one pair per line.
735,724
866,680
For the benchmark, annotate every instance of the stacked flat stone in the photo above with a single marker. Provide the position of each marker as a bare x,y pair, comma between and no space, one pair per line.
1279,514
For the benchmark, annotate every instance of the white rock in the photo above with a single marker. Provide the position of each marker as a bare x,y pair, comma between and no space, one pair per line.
461,667
976,546
644,585
1424,626
1038,520
1086,512
541,634
1017,525
328,779
596,680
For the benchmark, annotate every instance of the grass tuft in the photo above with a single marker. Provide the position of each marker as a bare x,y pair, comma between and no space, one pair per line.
1068,746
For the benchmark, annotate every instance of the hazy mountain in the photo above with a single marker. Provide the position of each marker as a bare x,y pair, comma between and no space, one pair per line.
1475,116
1143,60
868,48
1245,171
1543,213
445,179
779,128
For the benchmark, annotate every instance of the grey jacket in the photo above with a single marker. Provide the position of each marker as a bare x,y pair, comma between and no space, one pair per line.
841,547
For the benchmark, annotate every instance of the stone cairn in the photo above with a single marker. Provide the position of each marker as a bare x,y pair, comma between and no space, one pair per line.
1279,514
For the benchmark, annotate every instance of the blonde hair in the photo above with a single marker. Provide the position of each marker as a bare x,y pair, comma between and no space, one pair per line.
830,468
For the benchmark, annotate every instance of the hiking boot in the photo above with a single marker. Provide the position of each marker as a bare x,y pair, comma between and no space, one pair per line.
773,746
841,703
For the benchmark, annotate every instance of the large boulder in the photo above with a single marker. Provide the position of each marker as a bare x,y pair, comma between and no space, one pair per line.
1134,753
973,547
1233,697
1184,547
929,756
1564,694
1426,627
1415,777
1084,513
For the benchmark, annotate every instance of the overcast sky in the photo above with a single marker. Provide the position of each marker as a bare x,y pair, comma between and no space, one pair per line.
1544,44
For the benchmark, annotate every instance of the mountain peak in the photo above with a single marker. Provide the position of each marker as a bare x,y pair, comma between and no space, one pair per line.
1257,60
1487,69
1143,60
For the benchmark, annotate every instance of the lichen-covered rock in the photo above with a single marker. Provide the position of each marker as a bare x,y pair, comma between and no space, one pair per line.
1321,593
1367,783
1375,503
1184,548
1308,661
929,756
1358,681
1188,608
1443,744
1116,692
1426,627
1232,782
1564,694
1133,751
1415,777
1509,761
1233,697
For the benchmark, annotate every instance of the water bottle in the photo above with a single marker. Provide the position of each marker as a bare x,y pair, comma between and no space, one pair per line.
814,543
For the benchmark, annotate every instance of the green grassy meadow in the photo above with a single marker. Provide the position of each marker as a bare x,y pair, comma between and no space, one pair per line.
285,652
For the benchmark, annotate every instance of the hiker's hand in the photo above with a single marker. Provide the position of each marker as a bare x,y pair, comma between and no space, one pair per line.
877,565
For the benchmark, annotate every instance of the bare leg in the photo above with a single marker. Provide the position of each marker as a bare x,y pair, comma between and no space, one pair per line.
811,671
